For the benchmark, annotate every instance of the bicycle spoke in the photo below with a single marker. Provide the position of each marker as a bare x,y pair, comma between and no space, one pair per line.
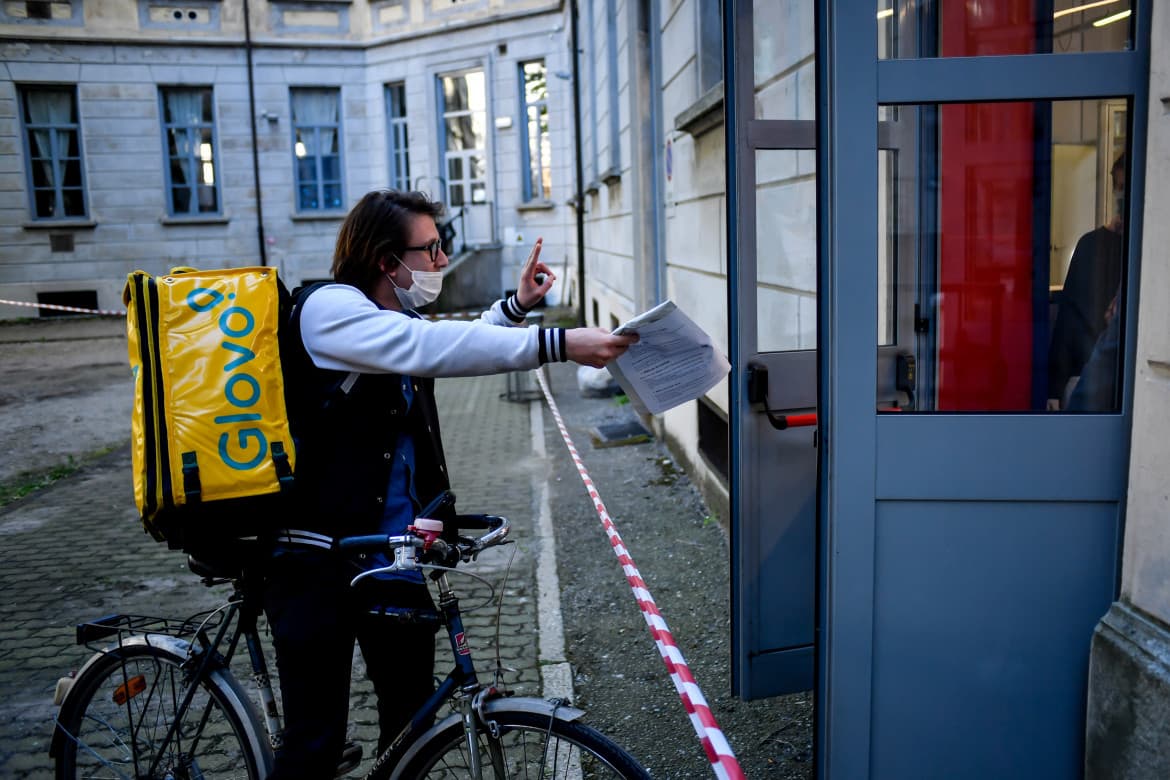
125,728
520,753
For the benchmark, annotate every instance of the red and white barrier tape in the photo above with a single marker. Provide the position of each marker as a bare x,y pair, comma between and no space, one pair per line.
57,307
719,753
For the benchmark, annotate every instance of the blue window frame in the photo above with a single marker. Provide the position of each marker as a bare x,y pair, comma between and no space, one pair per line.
52,136
536,147
592,166
396,134
316,120
710,44
188,128
611,46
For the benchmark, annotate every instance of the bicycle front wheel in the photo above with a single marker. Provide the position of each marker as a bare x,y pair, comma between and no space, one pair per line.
115,721
530,746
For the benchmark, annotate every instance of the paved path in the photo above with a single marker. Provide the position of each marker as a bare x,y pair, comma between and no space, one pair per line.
76,551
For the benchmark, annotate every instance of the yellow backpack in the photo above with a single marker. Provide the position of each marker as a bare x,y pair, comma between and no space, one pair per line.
211,445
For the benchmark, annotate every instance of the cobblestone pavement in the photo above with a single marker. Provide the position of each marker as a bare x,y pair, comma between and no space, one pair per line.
76,551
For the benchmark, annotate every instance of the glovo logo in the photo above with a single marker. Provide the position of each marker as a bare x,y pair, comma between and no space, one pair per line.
242,445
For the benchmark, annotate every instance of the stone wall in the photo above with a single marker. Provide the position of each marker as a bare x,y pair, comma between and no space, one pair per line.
1129,676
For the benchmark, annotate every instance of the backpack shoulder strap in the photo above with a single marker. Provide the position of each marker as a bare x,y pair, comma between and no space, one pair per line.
293,328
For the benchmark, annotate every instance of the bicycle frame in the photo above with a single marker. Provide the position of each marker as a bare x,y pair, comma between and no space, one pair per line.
462,681
208,641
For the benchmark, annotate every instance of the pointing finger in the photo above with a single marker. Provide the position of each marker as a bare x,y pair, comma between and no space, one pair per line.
534,255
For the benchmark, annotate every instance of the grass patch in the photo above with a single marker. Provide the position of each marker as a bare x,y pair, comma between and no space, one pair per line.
30,482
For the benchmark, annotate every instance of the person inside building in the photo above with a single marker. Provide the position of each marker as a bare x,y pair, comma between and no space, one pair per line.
1095,390
1090,287
370,457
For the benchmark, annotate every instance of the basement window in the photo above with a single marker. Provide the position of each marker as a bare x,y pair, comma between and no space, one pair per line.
78,299
713,437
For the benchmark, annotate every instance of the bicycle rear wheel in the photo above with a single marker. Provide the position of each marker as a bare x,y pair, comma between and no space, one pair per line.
530,746
114,722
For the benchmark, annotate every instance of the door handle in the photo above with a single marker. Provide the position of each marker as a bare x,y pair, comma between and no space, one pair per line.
757,392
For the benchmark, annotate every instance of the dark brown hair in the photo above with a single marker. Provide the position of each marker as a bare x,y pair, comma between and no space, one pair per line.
374,229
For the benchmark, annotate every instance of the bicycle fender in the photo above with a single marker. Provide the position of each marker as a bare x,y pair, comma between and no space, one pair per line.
173,645
525,704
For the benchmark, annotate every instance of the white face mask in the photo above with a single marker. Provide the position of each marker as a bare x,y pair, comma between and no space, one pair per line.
425,287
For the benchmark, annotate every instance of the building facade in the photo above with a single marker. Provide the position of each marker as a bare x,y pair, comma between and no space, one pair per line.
1045,177
148,135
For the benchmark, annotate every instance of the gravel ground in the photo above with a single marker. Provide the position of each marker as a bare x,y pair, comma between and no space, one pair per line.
54,412
682,555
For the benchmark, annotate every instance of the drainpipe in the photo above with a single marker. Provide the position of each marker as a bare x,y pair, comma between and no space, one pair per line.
255,144
580,196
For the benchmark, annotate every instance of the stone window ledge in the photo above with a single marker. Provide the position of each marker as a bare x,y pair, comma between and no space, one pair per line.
536,205
61,224
314,216
704,114
209,219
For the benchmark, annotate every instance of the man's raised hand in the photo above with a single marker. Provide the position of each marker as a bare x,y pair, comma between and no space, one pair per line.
530,290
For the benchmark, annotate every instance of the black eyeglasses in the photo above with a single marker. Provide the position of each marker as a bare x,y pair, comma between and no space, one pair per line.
432,249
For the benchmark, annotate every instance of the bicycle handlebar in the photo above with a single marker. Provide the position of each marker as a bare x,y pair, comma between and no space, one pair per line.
448,553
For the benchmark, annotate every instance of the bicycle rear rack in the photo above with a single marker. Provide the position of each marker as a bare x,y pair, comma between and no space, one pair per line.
92,633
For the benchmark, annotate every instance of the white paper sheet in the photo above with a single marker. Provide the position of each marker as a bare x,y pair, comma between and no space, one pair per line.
673,362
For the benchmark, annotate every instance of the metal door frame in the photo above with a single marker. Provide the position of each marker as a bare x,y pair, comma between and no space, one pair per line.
851,83
744,135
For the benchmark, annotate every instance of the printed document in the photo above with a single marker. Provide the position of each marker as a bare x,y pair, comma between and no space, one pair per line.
673,362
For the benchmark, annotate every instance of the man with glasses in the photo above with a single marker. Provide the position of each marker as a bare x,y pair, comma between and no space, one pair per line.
360,369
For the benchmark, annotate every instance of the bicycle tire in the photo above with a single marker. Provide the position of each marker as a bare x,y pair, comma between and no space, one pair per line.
531,744
99,735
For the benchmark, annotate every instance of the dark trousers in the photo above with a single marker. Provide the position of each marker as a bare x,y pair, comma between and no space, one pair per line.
315,616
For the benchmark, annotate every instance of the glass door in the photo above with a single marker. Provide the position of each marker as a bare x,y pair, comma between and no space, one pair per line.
772,209
979,161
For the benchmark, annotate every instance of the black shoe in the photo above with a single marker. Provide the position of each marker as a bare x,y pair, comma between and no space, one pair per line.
351,756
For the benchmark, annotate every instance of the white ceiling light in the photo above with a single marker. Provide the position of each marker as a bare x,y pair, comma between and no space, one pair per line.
1112,19
1083,7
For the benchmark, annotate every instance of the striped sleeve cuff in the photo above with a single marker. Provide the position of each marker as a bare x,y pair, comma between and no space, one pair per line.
513,310
552,345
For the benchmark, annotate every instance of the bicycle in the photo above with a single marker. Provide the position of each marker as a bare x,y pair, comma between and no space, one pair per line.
162,702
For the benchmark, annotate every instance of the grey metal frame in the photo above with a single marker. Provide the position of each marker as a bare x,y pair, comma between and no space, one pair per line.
754,672
853,477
